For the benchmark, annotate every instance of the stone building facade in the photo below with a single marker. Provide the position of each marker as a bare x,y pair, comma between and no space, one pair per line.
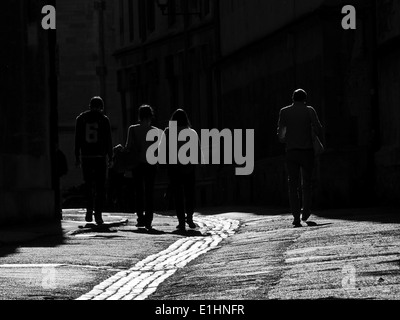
86,40
301,44
388,113
230,64
234,65
28,115
167,61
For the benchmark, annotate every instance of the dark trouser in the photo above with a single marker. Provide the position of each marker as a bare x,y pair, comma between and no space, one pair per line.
144,177
183,181
300,162
94,175
115,189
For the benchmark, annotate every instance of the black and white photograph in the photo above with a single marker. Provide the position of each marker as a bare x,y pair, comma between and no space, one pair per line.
203,158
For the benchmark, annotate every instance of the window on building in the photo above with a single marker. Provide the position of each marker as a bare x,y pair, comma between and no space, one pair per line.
169,66
173,82
131,21
121,22
150,15
206,7
120,80
142,19
172,11
152,72
193,5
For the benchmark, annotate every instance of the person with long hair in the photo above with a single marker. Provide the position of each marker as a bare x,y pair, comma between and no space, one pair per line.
182,177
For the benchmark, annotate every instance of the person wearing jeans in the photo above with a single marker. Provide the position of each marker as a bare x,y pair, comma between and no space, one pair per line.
93,147
295,125
143,174
182,177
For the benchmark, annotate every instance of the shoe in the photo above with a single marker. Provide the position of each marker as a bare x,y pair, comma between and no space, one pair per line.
181,227
297,223
98,219
305,216
140,222
89,217
191,224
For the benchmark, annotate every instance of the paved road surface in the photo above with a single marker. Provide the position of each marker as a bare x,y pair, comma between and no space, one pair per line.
232,255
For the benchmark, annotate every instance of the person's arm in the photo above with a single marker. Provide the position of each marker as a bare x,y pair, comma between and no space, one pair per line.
129,139
281,130
316,123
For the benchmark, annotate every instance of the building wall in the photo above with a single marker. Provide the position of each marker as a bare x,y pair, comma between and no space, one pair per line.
27,187
151,59
256,18
80,69
166,61
235,67
388,155
302,46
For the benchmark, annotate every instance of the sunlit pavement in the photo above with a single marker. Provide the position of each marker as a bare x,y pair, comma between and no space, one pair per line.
231,255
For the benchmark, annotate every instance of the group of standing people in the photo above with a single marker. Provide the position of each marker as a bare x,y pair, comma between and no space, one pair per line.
93,148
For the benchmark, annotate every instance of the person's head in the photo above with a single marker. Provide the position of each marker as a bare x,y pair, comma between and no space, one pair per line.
299,95
146,113
96,103
181,118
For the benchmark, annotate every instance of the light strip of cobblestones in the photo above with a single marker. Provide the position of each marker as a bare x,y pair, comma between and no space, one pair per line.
140,281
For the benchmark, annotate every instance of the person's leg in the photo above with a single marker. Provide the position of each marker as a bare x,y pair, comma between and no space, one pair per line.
177,189
149,179
115,189
87,171
293,170
306,172
138,177
189,189
100,169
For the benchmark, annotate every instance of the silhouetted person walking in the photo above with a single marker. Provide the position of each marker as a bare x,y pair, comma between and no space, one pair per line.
182,176
294,128
144,173
93,145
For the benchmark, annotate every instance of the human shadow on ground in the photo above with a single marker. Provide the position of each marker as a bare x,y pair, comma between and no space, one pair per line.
92,227
186,233
316,224
306,224
145,231
191,233
105,227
